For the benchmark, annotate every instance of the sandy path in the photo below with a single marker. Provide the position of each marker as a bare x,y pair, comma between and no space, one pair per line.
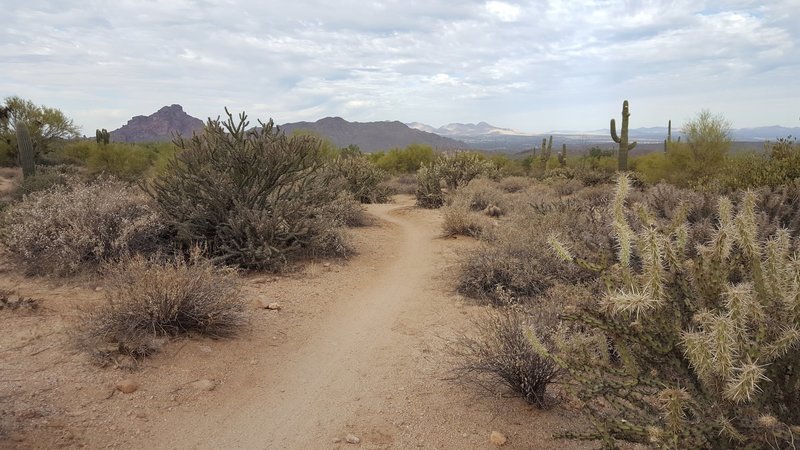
338,368
359,347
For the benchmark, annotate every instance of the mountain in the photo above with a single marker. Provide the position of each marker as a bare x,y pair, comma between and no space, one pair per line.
159,126
372,136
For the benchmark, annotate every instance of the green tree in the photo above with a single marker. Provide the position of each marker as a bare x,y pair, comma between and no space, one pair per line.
708,139
45,124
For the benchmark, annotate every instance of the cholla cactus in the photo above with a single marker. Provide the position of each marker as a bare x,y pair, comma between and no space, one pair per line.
429,187
461,168
706,349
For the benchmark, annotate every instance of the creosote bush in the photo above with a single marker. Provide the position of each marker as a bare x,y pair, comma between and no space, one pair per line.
253,198
706,344
67,228
151,298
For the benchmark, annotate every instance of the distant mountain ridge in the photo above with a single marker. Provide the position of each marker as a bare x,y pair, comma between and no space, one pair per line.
368,136
372,136
159,126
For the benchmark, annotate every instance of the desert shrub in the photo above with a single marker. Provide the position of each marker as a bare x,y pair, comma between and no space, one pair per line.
501,351
149,298
123,160
403,183
407,160
363,179
669,202
463,167
566,186
480,194
458,218
779,207
516,259
76,226
253,197
514,184
45,178
707,347
429,187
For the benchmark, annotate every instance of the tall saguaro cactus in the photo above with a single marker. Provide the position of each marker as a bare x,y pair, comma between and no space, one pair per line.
25,146
669,136
547,147
622,139
562,157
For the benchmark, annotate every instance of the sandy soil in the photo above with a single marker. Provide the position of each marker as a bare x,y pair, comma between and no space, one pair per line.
358,347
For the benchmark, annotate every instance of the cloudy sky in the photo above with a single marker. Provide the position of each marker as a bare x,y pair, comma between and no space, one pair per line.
534,66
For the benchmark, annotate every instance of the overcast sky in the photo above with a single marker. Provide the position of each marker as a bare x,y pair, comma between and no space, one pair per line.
534,66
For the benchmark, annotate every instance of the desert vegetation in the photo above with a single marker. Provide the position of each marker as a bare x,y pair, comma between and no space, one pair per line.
658,292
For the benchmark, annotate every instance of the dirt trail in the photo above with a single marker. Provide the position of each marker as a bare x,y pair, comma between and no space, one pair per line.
359,347
318,387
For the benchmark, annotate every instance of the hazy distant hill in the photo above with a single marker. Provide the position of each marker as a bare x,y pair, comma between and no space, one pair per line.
371,136
467,130
487,137
159,126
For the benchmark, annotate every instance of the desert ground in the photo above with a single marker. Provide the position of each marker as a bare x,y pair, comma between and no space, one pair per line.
357,349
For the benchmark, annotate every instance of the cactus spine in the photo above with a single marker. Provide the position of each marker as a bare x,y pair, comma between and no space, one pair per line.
622,139
562,157
25,146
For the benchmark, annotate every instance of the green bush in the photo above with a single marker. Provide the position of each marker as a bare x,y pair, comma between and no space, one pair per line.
407,160
429,187
253,197
690,351
363,179
131,162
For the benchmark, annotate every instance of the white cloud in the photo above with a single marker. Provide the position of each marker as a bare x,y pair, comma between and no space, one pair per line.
517,64
506,12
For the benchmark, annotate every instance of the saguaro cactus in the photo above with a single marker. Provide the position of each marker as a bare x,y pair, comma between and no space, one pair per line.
669,136
562,157
547,147
622,139
102,136
25,146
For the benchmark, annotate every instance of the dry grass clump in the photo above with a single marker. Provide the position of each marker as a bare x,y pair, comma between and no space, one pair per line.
514,184
459,219
516,256
501,352
68,228
565,186
152,298
480,194
404,183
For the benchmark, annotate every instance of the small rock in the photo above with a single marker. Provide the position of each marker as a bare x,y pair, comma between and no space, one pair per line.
127,386
98,289
352,439
337,440
266,304
497,438
204,385
205,349
326,265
